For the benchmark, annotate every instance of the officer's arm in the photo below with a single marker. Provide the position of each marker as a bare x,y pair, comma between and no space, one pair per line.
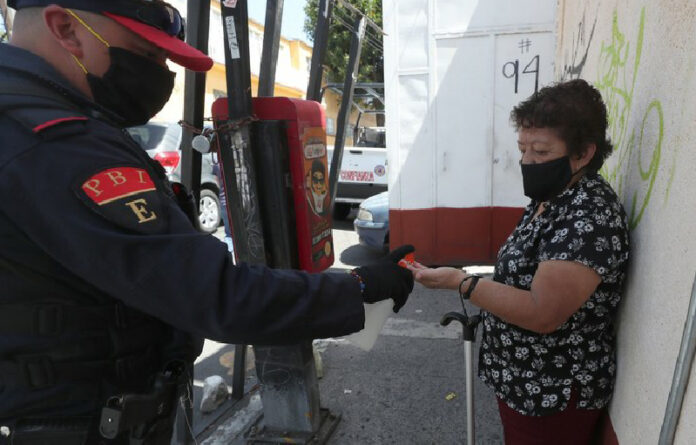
109,223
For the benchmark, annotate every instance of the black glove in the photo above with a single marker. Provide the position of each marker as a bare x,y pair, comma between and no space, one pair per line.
386,279
398,254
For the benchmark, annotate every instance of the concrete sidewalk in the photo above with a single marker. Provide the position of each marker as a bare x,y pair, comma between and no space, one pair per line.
409,389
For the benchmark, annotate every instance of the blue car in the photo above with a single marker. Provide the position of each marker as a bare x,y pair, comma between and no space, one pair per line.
372,222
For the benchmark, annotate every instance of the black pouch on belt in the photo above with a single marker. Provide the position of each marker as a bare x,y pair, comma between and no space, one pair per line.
145,418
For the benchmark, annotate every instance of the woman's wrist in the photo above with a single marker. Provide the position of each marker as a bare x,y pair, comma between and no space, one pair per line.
460,278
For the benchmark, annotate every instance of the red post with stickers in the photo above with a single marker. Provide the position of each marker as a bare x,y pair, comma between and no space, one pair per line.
309,174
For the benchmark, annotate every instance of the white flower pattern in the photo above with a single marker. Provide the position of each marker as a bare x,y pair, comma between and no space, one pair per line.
533,373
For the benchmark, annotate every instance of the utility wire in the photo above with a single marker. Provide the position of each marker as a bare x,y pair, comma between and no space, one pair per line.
349,15
368,38
355,10
375,45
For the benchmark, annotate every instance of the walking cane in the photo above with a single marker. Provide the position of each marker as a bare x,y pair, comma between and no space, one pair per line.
469,325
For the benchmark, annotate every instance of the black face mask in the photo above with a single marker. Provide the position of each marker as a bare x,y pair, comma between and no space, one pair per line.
546,180
134,87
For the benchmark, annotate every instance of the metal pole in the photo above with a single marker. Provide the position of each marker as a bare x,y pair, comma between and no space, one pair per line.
321,39
235,150
289,405
682,370
346,101
271,42
468,359
239,371
194,103
194,96
236,161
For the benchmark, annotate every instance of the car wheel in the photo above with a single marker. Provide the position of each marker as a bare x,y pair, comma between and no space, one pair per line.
209,211
341,210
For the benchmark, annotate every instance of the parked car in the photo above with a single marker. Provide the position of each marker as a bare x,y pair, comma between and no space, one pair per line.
162,141
372,222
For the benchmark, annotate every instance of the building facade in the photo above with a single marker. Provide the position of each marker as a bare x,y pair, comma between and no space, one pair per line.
641,55
292,71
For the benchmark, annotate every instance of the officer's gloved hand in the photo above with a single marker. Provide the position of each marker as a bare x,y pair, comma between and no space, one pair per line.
386,279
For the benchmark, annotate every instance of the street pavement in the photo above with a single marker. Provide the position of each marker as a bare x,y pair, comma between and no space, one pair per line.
409,389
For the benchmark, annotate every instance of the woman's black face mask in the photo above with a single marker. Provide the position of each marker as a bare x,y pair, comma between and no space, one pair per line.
134,87
546,180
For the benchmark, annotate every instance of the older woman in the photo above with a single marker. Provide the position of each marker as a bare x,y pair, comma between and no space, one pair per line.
548,346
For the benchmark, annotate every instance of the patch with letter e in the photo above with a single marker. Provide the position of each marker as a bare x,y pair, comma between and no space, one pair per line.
126,196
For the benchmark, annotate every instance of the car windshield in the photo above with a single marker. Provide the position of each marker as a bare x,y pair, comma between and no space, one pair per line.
150,136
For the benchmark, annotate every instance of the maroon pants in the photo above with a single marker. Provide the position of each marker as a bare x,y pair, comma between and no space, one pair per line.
572,426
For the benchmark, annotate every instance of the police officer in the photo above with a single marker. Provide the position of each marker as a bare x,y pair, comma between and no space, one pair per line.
106,286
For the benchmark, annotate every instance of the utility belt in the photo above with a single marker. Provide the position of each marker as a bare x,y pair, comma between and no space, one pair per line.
132,419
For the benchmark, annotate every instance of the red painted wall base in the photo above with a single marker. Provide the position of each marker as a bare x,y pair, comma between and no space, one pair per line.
453,235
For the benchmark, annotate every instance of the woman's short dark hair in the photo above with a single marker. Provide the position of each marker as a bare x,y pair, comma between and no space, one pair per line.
575,110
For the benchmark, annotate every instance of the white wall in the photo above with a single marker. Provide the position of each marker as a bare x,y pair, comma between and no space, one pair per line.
642,56
453,71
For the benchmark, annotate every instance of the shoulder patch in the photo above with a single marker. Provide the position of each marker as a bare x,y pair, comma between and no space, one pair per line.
54,122
126,196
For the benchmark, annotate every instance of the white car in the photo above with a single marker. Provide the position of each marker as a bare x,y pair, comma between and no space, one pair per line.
363,174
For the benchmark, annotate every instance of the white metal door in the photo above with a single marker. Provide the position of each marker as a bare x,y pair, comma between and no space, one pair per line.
463,104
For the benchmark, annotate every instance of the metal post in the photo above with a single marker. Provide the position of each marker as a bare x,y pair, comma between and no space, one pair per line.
194,103
269,139
194,96
682,370
239,371
235,150
346,101
321,38
290,405
235,159
271,42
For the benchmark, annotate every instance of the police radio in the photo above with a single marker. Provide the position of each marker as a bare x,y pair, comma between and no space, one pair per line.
292,177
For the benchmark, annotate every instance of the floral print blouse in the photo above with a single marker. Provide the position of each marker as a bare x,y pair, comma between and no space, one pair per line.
533,373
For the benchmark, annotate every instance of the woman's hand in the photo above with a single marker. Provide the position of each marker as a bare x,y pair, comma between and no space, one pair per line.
438,278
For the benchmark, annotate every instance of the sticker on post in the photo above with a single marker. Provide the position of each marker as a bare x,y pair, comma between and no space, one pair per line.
232,42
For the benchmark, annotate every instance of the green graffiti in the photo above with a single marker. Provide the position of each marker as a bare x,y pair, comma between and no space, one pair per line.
650,174
672,169
616,81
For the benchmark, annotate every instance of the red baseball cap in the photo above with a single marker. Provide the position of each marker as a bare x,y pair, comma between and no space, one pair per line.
154,20
179,51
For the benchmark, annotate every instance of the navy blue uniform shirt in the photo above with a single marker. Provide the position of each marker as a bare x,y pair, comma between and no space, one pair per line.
85,202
